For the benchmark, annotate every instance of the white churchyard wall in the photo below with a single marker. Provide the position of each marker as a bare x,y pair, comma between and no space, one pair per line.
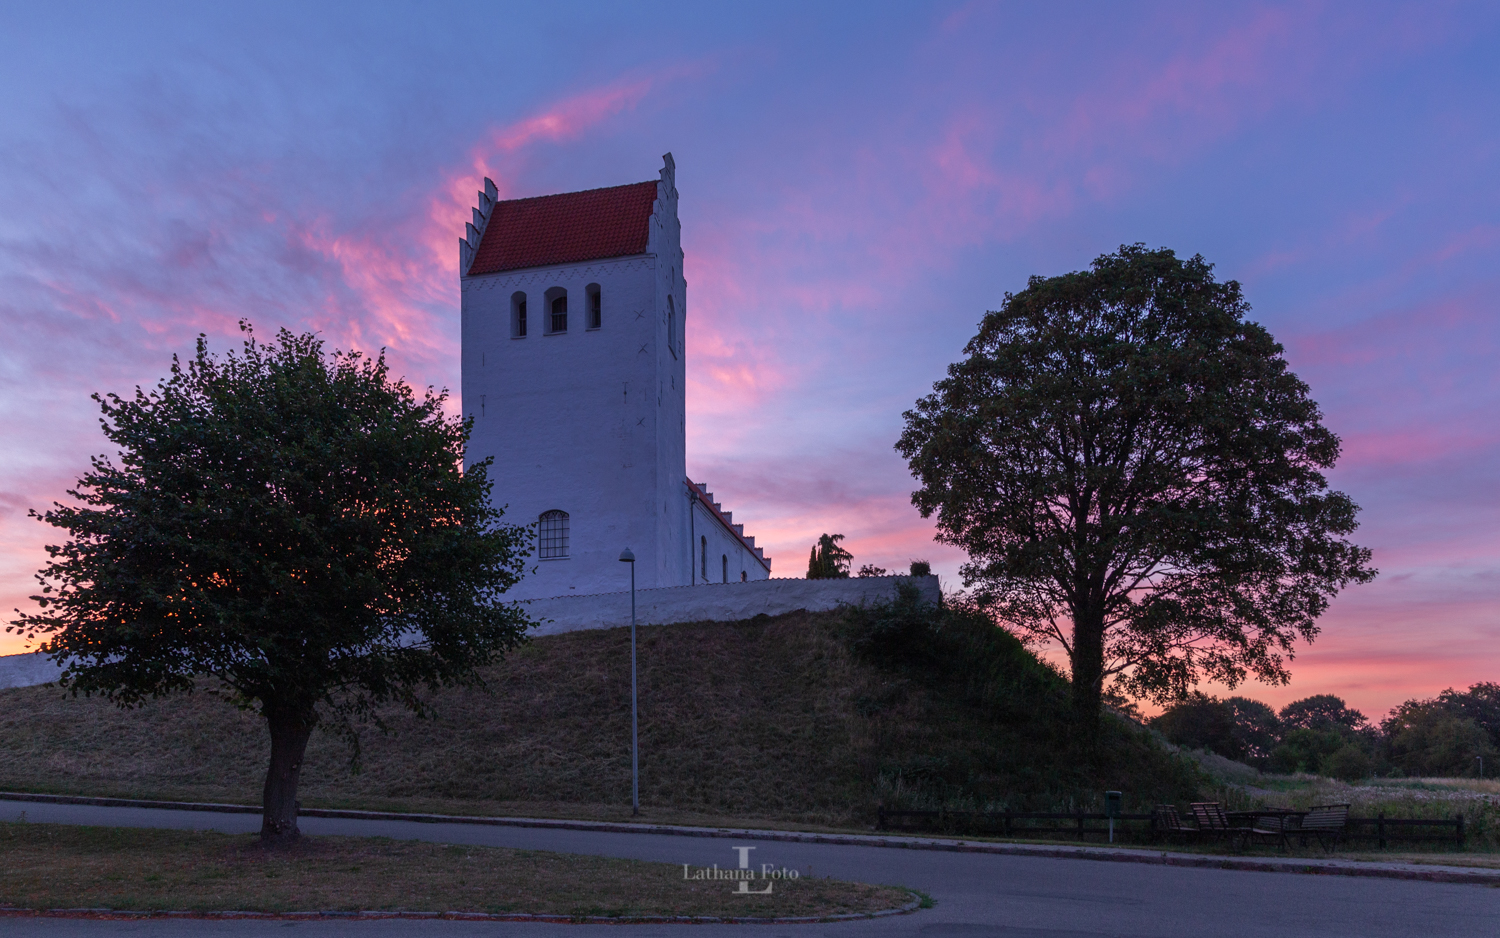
717,602
27,670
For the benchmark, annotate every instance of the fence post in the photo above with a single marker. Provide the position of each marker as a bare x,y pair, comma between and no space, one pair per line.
880,818
1007,822
1458,824
1080,824
1380,830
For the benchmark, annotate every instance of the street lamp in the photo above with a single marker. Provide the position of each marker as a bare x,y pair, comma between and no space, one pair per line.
635,752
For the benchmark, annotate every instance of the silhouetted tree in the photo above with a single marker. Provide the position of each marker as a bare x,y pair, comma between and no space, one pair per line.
829,561
298,528
1256,728
1135,473
1200,722
1321,712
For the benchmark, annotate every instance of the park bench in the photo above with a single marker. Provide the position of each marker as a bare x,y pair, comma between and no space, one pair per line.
1166,823
1326,822
1212,819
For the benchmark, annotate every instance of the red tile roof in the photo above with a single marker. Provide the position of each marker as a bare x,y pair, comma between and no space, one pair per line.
566,228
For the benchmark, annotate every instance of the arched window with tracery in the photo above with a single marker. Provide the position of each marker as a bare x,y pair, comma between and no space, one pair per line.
552,535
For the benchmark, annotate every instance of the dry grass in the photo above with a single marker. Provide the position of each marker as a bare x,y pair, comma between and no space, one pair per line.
54,866
770,721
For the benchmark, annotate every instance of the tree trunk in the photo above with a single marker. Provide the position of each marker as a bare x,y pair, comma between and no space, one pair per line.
290,727
1087,663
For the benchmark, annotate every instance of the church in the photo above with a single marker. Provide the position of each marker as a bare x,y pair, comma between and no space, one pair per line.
574,371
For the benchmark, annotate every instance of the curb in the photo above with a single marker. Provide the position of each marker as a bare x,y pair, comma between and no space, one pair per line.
1433,874
119,914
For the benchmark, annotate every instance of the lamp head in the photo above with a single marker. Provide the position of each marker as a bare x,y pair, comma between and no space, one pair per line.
626,556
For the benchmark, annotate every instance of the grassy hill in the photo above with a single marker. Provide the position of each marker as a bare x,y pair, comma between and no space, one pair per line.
802,719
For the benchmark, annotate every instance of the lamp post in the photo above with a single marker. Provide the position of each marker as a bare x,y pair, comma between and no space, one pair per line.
635,763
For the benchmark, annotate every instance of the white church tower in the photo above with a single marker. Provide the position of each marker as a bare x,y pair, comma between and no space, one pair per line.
574,308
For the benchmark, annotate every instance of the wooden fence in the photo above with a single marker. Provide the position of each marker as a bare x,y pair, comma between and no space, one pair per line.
1081,825
1078,825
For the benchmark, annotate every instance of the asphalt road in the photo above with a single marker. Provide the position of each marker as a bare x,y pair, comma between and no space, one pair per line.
977,895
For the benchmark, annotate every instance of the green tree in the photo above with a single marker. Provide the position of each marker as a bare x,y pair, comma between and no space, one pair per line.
295,526
1480,703
1135,474
1256,728
1426,737
829,561
1200,722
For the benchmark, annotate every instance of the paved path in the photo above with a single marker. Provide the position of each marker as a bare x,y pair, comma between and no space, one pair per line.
977,895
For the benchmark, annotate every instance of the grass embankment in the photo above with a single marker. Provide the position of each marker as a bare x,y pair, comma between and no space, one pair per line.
49,866
790,721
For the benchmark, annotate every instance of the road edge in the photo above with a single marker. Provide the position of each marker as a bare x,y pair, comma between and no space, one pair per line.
1329,867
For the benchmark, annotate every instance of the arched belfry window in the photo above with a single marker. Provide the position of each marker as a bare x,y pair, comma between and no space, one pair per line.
595,305
703,556
552,535
725,559
518,315
557,311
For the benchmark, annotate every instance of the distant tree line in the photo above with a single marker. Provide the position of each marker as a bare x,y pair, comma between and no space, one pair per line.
1446,735
830,561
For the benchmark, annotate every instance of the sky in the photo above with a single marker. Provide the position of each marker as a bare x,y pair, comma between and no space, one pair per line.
860,183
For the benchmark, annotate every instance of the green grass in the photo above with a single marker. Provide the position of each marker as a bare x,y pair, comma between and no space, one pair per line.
768,722
50,866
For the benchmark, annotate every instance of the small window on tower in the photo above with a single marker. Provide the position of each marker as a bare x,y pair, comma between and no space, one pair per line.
672,332
518,316
552,535
596,305
557,311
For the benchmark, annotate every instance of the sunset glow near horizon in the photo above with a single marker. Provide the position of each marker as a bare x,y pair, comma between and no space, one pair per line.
860,183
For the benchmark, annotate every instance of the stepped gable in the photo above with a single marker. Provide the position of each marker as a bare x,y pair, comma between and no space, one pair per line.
563,229
726,518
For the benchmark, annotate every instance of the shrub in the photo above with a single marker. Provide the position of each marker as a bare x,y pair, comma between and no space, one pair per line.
1349,764
1303,750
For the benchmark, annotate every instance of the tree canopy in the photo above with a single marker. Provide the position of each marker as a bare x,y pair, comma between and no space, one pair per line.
296,526
1321,712
1135,474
